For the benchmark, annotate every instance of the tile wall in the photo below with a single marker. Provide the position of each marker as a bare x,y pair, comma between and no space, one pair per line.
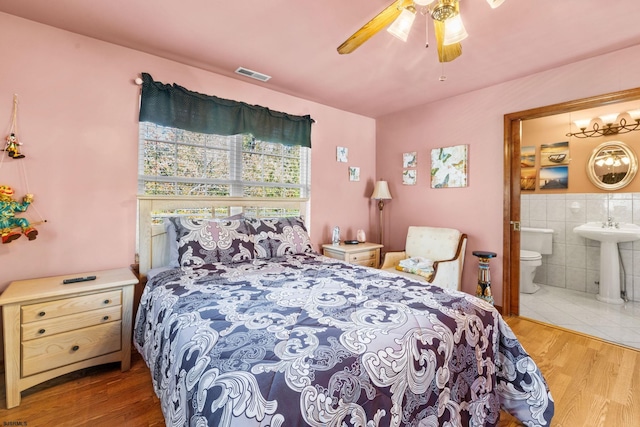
575,262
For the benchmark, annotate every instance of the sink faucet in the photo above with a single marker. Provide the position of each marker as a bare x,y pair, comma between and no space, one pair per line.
610,223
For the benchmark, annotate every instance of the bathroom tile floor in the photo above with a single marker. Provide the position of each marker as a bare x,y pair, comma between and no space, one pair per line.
582,312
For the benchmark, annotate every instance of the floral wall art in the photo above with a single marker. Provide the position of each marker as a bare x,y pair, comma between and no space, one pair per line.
449,167
409,160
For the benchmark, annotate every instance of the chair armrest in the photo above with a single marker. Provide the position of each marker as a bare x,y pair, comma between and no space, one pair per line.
448,273
391,259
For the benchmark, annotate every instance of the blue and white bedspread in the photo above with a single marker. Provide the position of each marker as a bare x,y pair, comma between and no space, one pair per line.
308,340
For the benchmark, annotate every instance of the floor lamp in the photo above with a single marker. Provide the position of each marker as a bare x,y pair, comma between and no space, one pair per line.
381,193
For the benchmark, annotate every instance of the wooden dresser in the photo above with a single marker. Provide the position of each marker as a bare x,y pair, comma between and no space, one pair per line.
51,328
367,254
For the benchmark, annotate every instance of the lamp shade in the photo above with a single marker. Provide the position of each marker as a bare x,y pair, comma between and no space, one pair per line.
401,26
381,191
495,3
454,31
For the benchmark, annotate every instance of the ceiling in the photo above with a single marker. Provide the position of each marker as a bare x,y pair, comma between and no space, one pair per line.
295,42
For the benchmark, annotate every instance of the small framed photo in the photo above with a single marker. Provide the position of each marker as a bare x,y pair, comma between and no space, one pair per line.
409,176
410,160
342,154
354,173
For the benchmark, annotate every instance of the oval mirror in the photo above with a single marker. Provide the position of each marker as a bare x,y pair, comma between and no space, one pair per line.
612,165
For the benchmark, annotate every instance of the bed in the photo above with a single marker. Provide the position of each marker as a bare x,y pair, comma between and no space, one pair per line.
254,328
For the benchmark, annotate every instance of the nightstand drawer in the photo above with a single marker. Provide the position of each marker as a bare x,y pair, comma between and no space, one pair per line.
360,257
367,262
365,254
48,327
69,347
64,307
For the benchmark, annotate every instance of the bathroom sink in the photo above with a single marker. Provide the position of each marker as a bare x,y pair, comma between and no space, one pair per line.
609,237
595,231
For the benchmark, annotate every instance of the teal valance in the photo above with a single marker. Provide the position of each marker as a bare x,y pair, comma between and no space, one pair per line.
175,106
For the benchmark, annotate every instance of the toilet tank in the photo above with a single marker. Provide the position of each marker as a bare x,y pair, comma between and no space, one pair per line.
536,239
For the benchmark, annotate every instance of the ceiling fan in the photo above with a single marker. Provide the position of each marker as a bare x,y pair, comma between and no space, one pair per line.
399,16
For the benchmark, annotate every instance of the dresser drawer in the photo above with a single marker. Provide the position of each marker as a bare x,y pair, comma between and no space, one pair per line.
64,307
56,325
47,353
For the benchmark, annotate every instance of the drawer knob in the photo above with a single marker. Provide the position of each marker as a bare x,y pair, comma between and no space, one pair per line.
107,301
41,331
75,348
105,318
42,314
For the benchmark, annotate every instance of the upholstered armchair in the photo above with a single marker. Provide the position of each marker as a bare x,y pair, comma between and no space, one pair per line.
444,246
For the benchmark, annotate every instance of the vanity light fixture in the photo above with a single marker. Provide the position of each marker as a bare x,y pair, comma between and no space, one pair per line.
612,124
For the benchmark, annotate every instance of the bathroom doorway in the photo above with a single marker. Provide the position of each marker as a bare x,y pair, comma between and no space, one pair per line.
511,220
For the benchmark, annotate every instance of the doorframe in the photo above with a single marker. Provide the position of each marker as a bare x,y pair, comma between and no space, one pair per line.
511,210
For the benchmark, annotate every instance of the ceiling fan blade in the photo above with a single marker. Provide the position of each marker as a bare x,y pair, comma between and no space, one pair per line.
381,20
449,52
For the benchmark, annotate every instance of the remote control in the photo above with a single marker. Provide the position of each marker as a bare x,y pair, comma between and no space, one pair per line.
78,279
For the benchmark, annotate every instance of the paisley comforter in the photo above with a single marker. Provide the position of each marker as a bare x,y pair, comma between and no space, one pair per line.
305,340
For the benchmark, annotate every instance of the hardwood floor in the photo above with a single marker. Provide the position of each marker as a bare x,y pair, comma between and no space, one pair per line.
594,383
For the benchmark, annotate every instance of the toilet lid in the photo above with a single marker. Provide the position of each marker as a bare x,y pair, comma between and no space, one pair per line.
529,255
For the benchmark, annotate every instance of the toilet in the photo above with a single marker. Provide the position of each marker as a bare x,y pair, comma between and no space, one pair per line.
534,242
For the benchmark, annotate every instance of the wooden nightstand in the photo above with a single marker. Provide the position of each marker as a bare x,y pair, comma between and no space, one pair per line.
367,254
51,329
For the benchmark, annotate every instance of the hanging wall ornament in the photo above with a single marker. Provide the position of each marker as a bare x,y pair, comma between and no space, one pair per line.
13,145
12,226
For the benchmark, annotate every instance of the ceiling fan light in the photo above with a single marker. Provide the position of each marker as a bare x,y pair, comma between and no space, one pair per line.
454,31
495,3
402,25
423,3
444,10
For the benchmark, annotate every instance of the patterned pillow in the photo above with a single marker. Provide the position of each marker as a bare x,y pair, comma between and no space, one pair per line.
280,236
205,241
172,240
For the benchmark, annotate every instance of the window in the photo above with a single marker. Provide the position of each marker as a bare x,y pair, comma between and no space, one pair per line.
180,162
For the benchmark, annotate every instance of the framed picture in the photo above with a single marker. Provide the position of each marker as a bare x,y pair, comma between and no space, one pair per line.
342,154
528,179
554,154
554,177
449,167
410,160
528,157
409,176
354,174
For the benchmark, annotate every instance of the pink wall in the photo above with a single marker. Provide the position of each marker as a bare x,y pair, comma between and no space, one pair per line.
78,123
476,119
77,119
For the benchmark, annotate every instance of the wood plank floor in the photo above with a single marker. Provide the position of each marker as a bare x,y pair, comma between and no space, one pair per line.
593,383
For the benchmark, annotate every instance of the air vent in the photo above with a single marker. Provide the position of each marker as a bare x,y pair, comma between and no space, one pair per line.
253,74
